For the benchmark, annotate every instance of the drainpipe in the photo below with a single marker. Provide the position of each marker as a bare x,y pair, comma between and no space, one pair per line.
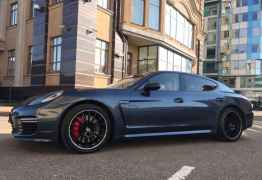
117,27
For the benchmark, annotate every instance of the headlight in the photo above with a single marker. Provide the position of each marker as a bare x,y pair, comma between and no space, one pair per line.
46,98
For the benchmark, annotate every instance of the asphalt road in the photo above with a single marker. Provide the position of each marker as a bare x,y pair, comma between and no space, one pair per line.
135,160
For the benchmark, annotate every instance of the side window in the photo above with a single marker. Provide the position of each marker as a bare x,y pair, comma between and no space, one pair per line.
192,83
167,81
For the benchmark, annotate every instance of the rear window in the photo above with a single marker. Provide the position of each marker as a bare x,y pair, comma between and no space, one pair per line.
195,83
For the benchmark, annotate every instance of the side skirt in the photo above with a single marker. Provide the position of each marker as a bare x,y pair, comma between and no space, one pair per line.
168,133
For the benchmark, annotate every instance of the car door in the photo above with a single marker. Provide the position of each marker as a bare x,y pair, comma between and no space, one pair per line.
159,111
201,102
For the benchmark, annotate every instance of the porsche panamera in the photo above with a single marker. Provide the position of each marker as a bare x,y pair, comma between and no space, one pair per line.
153,105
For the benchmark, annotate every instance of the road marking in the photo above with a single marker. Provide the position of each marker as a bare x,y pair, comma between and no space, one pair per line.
184,172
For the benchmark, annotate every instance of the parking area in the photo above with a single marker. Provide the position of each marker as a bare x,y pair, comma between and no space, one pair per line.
200,158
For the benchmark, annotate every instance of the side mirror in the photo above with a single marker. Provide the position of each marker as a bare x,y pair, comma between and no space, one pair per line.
151,87
208,88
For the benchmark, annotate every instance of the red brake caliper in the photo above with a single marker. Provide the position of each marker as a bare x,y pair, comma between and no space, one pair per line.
75,130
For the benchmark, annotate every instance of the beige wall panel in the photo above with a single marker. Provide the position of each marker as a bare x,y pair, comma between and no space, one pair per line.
11,38
101,81
55,20
52,79
104,25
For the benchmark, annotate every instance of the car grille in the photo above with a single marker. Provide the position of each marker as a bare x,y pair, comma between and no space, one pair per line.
25,126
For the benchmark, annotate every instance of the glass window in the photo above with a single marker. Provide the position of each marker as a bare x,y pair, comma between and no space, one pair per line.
211,10
211,38
147,59
29,59
255,48
178,27
255,16
211,53
13,14
102,3
138,11
129,63
154,11
210,67
193,83
244,2
212,23
56,54
254,2
101,60
167,81
11,63
245,17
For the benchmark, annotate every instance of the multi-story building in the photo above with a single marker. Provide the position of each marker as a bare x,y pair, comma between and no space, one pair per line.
89,43
233,51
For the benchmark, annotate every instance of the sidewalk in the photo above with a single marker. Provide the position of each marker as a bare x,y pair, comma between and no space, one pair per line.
4,110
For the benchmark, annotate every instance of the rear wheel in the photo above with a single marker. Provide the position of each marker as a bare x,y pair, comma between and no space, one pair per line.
86,128
230,125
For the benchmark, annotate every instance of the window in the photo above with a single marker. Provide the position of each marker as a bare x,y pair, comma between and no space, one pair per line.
13,14
192,83
103,3
171,61
241,3
101,60
154,11
255,16
241,48
212,24
56,1
11,63
255,48
245,17
167,81
147,59
210,67
178,27
211,53
56,54
138,11
211,38
29,59
211,10
254,2
129,63
226,34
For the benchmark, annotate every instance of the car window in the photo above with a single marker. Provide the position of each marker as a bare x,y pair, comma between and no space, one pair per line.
167,81
194,83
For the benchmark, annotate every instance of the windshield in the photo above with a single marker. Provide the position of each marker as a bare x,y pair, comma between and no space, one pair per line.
125,83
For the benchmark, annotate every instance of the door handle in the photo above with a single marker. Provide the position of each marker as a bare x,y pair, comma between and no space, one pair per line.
220,99
179,100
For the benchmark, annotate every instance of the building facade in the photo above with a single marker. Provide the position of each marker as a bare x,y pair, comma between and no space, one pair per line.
92,43
233,50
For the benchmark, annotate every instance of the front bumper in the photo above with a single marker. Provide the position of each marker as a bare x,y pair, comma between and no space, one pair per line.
249,120
34,123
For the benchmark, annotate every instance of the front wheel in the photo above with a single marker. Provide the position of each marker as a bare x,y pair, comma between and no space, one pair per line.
230,125
86,128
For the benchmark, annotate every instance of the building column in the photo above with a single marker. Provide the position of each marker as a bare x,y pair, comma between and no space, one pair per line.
79,43
3,12
20,44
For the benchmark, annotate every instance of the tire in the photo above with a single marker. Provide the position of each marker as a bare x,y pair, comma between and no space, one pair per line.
230,126
86,128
